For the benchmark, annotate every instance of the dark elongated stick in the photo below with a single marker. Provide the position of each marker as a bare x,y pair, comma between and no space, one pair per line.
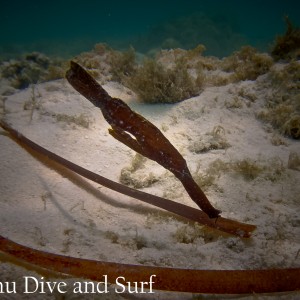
222,224
149,140
167,279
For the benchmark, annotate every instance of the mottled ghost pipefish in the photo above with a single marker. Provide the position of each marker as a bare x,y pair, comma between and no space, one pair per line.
138,133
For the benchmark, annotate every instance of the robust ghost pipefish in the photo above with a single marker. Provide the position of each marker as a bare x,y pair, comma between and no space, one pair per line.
148,139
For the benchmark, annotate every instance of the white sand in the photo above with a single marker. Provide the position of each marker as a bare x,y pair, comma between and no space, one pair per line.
66,214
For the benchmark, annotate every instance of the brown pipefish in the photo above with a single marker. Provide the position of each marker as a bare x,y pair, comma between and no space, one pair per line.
148,139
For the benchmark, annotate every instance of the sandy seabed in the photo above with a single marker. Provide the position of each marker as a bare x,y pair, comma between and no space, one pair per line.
242,163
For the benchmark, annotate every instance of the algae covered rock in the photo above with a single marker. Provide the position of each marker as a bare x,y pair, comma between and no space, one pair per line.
31,68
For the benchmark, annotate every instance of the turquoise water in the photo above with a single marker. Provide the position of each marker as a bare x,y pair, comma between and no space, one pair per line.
71,26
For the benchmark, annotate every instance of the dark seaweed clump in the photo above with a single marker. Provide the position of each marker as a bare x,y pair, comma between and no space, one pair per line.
287,46
283,99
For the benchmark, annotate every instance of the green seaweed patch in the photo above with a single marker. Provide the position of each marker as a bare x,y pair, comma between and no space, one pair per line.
31,68
247,64
282,109
135,242
134,175
249,169
272,170
188,234
97,61
122,64
155,83
194,233
214,140
292,126
80,120
294,161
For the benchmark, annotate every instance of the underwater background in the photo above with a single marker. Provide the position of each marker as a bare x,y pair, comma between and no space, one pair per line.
65,28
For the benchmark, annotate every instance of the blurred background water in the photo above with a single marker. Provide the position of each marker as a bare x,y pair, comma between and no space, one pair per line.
67,27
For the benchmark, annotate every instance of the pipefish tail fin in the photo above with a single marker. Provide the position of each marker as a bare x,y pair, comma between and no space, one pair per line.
82,82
